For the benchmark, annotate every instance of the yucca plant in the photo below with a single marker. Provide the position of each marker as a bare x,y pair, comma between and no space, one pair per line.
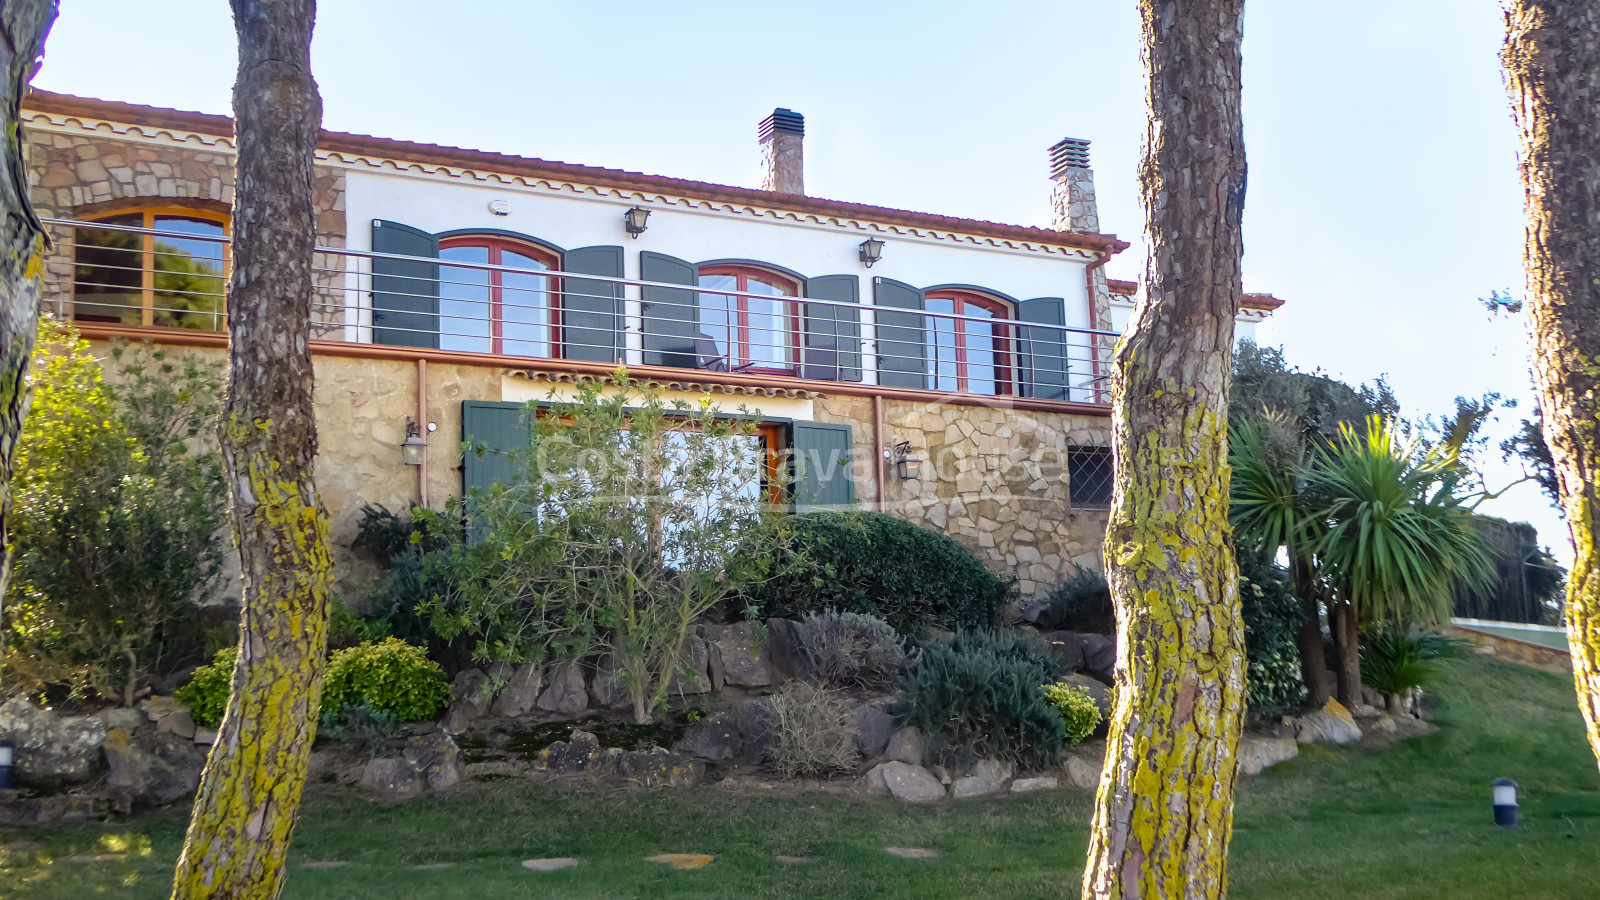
1395,661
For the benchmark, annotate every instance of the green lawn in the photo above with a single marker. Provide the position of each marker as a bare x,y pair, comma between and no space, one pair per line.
1411,822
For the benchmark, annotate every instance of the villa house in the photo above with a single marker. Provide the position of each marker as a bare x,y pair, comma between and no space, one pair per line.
950,371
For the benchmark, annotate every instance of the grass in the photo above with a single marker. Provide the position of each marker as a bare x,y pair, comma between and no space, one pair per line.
1412,821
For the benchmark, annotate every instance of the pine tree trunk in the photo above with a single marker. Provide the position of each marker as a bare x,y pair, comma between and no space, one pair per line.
1347,643
1313,661
1552,60
24,24
1164,814
245,810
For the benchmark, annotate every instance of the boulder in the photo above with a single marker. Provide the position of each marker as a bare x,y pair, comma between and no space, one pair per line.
873,727
520,693
783,647
579,753
437,759
567,692
1363,711
660,768
1082,771
873,782
1042,783
1331,724
913,784
1257,753
473,690
1099,656
907,745
205,737
1098,692
1066,647
987,777
168,715
320,763
605,688
392,778
714,738
50,750
180,723
123,717
151,768
754,718
697,657
745,662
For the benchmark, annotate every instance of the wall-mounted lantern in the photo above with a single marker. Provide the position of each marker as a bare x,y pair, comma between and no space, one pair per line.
906,466
634,220
6,750
871,251
1505,802
412,449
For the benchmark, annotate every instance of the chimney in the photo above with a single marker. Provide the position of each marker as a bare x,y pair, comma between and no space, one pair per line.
1072,197
782,137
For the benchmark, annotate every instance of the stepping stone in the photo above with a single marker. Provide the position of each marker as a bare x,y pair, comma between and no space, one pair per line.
552,864
430,867
324,864
796,860
682,860
92,857
913,852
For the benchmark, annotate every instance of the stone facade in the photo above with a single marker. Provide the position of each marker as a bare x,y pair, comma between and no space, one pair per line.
1074,208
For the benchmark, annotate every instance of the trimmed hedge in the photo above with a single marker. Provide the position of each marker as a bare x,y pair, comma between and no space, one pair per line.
876,564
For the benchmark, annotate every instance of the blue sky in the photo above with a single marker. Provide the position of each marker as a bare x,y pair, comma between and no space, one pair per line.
1383,195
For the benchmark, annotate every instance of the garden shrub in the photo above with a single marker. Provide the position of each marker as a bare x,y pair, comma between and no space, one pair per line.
1395,660
398,544
390,676
1023,645
206,694
1079,714
813,731
1272,616
979,696
1082,603
116,520
876,564
850,650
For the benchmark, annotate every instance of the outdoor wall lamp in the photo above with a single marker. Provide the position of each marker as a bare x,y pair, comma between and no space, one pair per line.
1505,803
634,220
906,466
6,748
412,449
871,251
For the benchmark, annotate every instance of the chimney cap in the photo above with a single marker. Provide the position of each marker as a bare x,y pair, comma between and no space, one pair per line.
782,121
1069,153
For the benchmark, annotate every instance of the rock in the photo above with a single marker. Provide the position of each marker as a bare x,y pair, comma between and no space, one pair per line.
1066,647
15,810
579,753
151,768
660,768
320,763
122,717
205,737
1257,754
783,647
605,688
567,692
457,720
1081,773
520,692
1041,783
159,709
1332,724
1098,692
754,718
50,750
907,745
1385,725
552,864
744,660
1099,656
392,779
714,670
873,728
698,659
436,758
873,782
180,723
913,852
1363,711
987,777
494,768
472,691
714,738
913,784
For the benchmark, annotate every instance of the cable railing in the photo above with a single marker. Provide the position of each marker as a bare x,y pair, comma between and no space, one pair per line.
137,276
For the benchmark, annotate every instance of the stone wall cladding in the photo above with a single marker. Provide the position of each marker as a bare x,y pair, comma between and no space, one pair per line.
993,478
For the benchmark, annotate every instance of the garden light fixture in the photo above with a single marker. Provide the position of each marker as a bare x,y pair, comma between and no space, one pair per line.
1505,803
6,750
871,251
411,451
634,220
906,466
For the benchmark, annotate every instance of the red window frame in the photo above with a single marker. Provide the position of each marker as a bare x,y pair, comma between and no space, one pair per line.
495,244
1003,323
739,360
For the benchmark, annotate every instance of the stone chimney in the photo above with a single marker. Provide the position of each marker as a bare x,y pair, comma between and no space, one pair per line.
782,137
1073,206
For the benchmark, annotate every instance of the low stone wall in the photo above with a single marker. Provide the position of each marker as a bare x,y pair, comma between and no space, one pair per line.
1525,653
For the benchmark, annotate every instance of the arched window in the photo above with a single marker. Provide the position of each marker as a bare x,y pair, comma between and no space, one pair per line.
175,279
500,304
963,355
747,334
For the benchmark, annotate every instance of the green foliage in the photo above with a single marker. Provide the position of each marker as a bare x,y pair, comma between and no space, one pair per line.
813,731
979,696
876,564
1272,616
206,694
1079,714
1528,445
399,546
389,676
1082,603
1395,660
851,650
117,509
357,723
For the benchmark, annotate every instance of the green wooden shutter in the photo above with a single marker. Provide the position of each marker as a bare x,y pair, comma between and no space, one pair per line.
821,455
671,316
1042,364
502,429
405,292
831,345
902,336
591,311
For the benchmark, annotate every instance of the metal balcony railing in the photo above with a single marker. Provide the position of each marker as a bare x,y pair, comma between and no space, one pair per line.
147,277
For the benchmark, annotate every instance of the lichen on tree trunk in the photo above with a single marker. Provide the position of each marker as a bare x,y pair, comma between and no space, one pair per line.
1552,62
1164,813
245,810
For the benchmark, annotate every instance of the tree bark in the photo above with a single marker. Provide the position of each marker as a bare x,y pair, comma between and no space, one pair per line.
1164,814
24,24
245,810
1347,643
1552,61
1313,661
